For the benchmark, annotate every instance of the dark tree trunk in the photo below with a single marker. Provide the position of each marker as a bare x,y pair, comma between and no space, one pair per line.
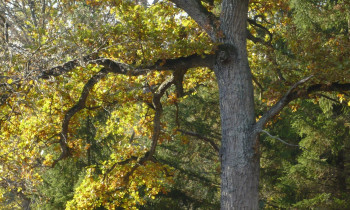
25,201
239,150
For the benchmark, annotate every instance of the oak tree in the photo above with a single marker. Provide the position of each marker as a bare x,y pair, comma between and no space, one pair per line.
130,59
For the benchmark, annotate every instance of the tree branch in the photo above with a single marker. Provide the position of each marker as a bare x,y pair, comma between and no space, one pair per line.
177,64
64,68
278,106
293,94
256,39
156,125
72,111
118,163
335,86
205,19
211,142
182,63
284,142
114,67
329,98
257,83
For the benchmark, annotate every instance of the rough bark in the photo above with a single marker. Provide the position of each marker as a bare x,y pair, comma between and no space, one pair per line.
239,146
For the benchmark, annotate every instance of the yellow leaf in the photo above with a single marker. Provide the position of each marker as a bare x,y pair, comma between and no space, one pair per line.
9,81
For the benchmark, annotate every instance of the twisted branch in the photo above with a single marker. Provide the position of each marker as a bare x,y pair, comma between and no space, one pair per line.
73,110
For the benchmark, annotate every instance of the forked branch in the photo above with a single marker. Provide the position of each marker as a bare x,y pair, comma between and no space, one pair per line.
156,125
293,94
275,109
205,19
179,67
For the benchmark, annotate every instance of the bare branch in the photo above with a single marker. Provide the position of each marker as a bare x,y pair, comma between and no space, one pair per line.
32,12
284,142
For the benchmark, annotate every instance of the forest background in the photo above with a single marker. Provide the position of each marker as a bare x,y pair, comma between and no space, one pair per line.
77,136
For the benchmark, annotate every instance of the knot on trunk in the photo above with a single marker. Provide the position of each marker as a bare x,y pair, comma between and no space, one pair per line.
226,53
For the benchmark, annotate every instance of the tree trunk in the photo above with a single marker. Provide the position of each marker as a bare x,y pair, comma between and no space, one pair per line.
239,149
25,201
